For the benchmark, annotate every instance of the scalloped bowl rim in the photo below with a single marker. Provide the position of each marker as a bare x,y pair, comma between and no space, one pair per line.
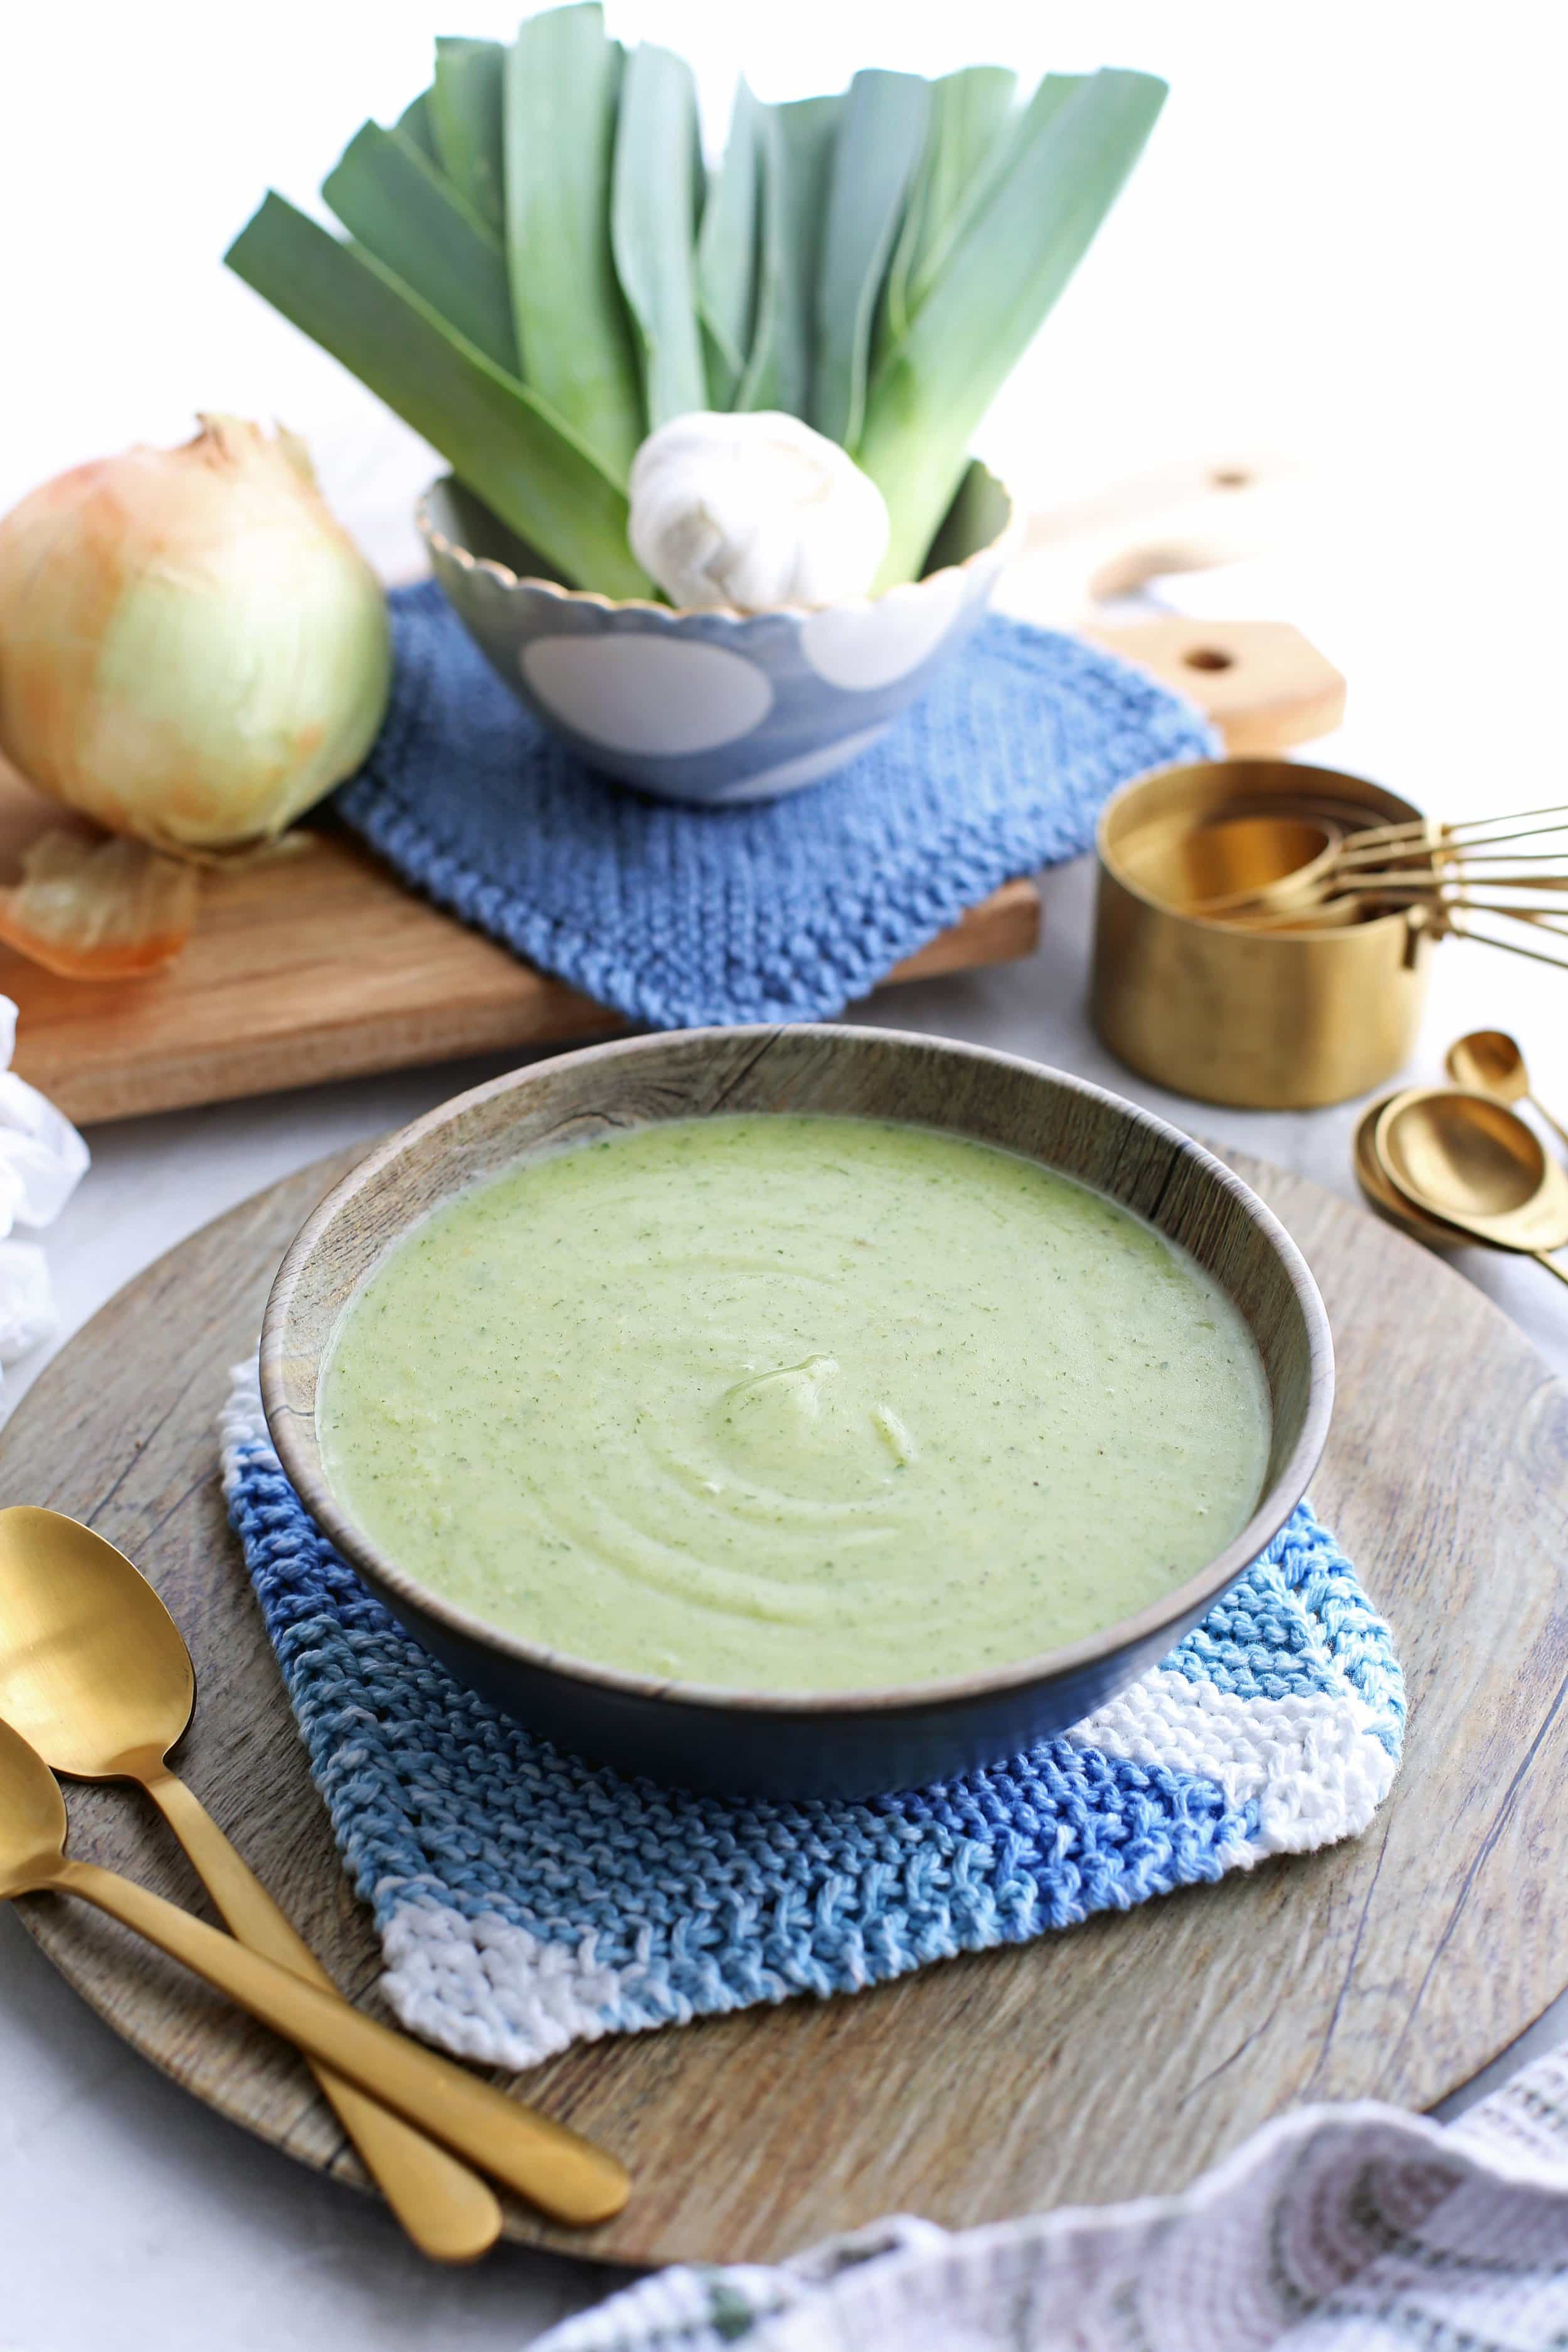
1000,546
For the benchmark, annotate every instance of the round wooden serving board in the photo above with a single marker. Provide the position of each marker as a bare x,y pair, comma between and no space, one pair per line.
1118,2059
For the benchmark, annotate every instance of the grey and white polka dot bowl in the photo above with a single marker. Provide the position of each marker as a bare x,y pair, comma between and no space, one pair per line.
715,706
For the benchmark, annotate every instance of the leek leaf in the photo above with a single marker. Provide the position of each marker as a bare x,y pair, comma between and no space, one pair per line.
1065,164
727,252
653,228
797,148
394,202
417,122
466,108
879,142
500,439
774,374
965,141
574,343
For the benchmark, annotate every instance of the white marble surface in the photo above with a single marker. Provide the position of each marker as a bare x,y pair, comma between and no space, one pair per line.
1298,262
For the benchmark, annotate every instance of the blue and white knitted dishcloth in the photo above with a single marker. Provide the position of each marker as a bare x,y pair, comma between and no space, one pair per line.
526,1899
777,910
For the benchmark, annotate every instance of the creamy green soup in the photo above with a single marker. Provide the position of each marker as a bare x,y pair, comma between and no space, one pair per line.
793,1404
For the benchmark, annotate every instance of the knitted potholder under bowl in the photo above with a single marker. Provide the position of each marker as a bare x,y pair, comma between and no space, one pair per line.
526,1899
780,910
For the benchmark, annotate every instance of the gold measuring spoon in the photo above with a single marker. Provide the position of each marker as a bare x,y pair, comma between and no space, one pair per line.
1490,1062
545,2162
1256,860
1472,1163
1384,1194
1298,867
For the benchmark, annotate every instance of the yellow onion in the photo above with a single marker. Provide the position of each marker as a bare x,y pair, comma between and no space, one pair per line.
191,649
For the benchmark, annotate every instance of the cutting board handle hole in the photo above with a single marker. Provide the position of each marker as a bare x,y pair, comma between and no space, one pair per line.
1208,658
1230,478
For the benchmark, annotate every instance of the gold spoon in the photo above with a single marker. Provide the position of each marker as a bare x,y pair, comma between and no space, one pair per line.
1490,1062
1385,1196
1474,1164
95,1675
1256,860
551,2165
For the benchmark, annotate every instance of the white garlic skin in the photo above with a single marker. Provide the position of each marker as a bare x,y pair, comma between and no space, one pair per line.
754,509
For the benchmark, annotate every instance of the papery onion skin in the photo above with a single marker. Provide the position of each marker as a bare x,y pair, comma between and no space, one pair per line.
191,649
88,908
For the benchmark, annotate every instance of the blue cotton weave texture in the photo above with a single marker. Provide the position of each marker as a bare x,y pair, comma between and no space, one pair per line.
781,910
526,1899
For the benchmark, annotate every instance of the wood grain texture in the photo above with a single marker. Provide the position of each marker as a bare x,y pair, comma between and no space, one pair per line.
1264,686
1117,2059
1186,515
321,965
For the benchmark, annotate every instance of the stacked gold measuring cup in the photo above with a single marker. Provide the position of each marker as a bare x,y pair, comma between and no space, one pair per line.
1264,928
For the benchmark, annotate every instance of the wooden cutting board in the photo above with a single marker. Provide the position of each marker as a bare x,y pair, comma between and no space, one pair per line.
323,965
1112,2061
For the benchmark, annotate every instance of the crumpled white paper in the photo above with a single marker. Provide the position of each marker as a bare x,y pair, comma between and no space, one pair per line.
42,1161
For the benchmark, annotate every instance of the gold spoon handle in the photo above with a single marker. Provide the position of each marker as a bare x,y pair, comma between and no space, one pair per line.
448,2212
1551,1265
564,2175
1556,1125
1512,947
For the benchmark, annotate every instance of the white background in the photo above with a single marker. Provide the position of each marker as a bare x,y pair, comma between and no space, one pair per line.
1345,241
1345,238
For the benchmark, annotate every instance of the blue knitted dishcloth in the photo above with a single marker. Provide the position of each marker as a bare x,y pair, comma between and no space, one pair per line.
778,910
526,1899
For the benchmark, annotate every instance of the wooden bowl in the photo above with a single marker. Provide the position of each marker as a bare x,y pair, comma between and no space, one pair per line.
840,1743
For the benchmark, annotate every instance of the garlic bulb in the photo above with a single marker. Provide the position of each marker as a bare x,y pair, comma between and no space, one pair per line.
191,649
754,509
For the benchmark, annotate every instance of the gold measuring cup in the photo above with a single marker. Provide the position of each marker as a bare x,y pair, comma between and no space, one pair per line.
1265,1019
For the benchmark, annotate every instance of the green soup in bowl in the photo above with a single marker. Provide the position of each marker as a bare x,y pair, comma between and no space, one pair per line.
794,1402
796,1410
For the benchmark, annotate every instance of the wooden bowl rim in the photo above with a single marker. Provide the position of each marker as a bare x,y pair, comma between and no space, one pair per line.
294,1435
